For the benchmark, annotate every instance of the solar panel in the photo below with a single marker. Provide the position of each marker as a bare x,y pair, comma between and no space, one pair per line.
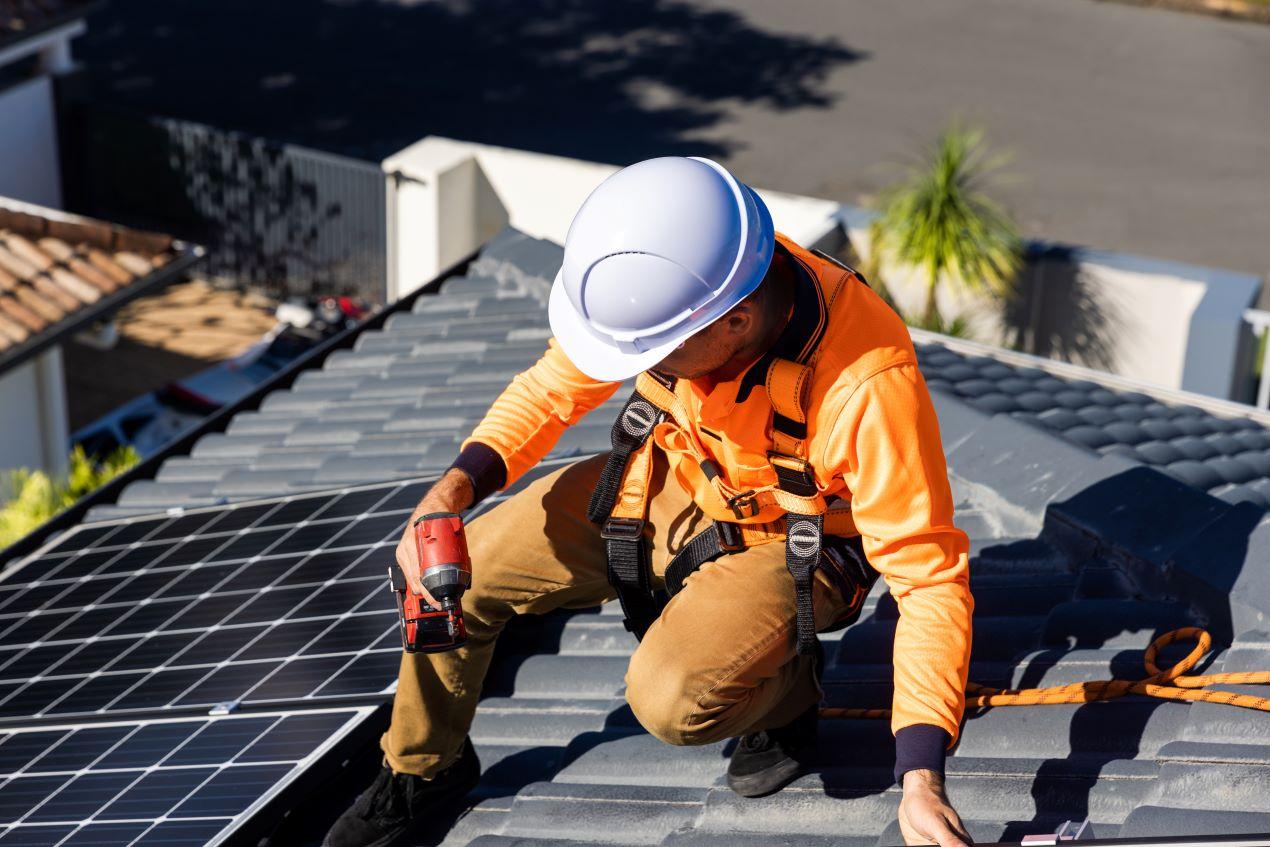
155,782
260,603
123,636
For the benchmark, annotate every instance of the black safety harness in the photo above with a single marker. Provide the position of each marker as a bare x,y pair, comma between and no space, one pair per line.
619,504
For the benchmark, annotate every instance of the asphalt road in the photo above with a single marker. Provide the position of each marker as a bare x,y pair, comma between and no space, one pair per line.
1129,128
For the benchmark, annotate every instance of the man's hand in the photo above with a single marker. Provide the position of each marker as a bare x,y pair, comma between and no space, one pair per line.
926,816
451,493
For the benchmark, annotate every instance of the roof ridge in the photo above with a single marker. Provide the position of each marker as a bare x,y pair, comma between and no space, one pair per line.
1215,405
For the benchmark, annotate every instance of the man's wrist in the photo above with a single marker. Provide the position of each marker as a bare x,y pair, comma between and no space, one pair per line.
920,747
484,468
921,779
451,493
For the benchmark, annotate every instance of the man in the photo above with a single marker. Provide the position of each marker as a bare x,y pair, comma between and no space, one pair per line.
780,435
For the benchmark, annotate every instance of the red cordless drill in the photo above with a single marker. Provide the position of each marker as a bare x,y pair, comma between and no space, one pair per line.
446,572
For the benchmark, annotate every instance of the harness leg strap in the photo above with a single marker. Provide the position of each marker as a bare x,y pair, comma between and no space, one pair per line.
804,539
628,570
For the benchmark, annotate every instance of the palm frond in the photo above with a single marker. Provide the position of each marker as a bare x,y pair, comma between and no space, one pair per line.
939,218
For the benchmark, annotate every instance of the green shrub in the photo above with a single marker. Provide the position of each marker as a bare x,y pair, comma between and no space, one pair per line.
35,496
940,220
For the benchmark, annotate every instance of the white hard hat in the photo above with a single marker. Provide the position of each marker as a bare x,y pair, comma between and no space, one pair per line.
658,251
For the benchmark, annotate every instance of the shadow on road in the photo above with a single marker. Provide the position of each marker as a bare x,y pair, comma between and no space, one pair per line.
607,81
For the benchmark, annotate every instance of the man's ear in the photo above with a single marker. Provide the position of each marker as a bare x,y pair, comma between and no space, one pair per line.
741,319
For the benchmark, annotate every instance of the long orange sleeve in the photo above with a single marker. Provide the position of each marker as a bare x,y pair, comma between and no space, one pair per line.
887,448
526,420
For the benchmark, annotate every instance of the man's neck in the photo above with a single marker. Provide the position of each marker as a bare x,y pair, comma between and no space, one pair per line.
765,339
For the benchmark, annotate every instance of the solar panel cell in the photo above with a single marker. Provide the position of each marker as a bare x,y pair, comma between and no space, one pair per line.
179,834
354,633
220,741
130,533
78,750
292,737
154,794
286,639
354,503
231,791
20,795
146,653
82,797
35,836
220,645
94,694
158,689
20,749
240,518
372,529
298,678
245,546
199,523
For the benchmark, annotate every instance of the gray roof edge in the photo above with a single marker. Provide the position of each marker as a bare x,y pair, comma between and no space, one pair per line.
1066,370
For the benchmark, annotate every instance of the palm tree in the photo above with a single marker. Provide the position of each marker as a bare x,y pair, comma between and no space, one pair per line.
939,219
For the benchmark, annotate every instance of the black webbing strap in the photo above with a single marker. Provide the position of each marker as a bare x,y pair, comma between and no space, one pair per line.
705,546
630,573
804,537
804,540
629,570
630,430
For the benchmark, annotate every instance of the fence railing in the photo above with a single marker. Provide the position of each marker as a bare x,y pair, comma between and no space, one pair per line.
288,219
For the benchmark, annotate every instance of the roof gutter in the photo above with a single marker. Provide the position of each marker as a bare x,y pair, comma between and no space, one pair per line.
219,421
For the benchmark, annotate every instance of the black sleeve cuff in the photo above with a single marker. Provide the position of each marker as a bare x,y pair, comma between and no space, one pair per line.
920,747
484,467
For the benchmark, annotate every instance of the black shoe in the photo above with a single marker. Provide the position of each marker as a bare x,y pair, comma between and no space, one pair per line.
764,762
398,804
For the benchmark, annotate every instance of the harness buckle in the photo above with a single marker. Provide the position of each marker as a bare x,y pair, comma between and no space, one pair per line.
622,529
744,505
730,537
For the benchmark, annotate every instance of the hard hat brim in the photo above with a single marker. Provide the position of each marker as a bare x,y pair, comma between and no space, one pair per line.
593,356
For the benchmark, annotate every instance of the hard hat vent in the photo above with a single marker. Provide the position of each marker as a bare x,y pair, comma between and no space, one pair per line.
635,292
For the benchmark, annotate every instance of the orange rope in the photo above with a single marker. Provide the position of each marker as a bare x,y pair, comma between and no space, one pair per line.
1168,684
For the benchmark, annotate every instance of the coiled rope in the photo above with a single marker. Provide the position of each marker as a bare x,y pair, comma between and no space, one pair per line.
1168,684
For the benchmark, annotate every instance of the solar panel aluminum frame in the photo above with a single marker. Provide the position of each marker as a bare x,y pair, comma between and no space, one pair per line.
244,827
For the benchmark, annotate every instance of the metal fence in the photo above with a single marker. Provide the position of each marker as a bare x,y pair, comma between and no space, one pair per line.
287,219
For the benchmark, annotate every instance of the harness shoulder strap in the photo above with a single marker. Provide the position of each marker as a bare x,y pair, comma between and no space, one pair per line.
787,388
619,504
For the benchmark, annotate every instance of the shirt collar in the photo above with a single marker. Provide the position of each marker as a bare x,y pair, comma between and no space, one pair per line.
801,335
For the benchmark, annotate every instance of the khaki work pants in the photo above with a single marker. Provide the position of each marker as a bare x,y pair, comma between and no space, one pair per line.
719,662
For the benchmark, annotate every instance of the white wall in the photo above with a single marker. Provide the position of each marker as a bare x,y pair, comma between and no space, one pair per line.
28,143
1168,324
33,415
448,195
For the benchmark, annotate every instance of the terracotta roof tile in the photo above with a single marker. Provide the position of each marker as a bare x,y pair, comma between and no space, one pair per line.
54,266
11,331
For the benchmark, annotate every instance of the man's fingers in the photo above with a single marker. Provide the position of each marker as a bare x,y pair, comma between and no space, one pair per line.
411,569
946,835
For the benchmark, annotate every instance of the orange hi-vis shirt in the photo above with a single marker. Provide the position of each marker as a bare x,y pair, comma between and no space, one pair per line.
872,439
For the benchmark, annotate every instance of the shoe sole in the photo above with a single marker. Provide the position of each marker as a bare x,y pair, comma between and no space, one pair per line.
766,782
